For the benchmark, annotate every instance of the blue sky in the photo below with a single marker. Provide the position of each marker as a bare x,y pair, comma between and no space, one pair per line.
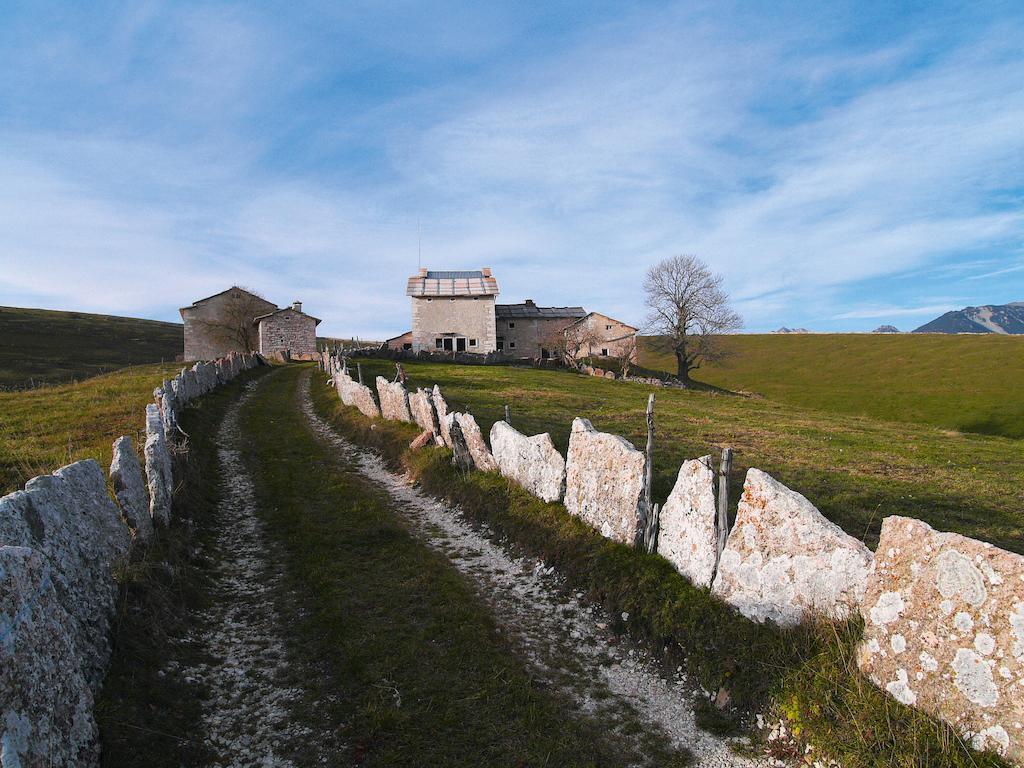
843,165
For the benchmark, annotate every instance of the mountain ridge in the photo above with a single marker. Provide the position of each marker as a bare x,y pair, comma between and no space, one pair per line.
988,318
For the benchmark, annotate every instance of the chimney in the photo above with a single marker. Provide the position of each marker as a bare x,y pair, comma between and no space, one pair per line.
529,303
297,306
485,271
423,271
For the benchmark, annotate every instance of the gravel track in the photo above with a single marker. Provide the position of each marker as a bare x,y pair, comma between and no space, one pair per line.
566,641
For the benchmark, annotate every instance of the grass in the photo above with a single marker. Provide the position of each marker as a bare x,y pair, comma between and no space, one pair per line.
41,346
43,429
969,383
411,662
146,716
856,470
806,674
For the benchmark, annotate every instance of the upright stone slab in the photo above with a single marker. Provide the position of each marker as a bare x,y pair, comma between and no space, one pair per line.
130,489
482,458
533,462
394,400
158,468
423,410
168,406
46,704
687,535
461,456
441,406
604,481
944,631
359,396
70,520
784,560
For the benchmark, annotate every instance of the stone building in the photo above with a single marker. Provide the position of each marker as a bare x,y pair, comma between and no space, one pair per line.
526,330
402,342
237,320
288,330
453,311
602,336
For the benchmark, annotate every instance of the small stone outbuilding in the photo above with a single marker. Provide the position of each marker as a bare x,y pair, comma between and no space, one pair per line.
288,330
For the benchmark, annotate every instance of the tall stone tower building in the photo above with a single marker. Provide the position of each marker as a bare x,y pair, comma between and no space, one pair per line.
453,311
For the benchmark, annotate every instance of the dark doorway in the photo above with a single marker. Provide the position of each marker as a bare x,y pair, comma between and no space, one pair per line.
460,344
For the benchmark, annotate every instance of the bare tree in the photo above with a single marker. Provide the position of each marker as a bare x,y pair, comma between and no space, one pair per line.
627,355
688,311
234,325
571,344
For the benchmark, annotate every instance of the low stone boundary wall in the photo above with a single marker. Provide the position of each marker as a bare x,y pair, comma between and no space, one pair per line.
944,614
62,540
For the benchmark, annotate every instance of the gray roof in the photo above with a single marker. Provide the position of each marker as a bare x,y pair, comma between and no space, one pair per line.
532,310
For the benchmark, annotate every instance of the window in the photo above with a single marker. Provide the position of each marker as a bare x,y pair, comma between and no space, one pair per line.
472,342
476,298
407,345
438,343
607,327
451,299
429,300
604,353
511,345
460,344
501,345
511,325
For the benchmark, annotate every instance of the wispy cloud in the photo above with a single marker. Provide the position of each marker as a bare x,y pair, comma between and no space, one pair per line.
876,312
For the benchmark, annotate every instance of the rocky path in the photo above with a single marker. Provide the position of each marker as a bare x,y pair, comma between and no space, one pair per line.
567,642
248,717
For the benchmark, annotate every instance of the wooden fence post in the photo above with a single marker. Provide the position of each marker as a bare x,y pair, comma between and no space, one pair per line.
359,372
647,509
724,466
508,415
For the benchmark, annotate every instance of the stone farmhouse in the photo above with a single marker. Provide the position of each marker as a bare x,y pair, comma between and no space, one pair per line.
456,311
237,320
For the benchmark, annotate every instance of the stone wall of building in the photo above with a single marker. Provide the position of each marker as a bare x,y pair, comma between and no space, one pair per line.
288,331
531,336
606,337
204,339
470,316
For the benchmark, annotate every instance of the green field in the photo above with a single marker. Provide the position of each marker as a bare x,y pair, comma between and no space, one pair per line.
41,346
856,470
43,429
968,383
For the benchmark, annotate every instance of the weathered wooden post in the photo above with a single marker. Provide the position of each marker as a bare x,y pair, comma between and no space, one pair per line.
652,529
724,466
508,415
359,372
647,509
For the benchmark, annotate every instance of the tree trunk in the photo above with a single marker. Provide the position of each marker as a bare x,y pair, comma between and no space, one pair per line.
682,367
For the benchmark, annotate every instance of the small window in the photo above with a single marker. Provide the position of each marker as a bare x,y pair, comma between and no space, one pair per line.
501,345
472,342
511,345
438,343
451,299
604,353
476,298
429,300
511,325
407,345
607,327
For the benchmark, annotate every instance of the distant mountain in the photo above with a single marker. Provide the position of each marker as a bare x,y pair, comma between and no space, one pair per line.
993,318
784,329
886,329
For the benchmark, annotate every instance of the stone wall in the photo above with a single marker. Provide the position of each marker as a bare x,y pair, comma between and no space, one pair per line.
62,540
944,614
288,330
471,317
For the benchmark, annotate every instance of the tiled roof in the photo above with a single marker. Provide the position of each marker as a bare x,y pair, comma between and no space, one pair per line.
532,310
469,283
287,309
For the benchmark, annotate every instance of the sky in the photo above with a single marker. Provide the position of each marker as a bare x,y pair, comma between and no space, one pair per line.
841,165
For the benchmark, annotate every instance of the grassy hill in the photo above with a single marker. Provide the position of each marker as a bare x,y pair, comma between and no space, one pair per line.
856,470
965,383
41,346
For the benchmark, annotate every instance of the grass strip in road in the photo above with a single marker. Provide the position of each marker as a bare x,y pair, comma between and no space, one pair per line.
806,675
412,663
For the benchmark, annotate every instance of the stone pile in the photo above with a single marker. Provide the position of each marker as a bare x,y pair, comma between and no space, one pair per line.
62,539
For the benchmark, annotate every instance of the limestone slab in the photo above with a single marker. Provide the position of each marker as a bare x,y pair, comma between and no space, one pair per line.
70,520
482,458
158,468
130,488
422,409
461,456
394,400
441,407
46,704
533,461
687,533
944,631
784,561
358,395
604,481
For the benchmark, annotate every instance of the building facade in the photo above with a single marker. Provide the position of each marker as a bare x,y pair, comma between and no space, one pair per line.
237,320
526,330
453,311
288,330
598,335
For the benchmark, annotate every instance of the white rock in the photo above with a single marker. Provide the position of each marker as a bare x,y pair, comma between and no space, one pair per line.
130,488
441,407
394,400
533,462
482,458
158,468
604,481
45,701
784,560
687,532
422,410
